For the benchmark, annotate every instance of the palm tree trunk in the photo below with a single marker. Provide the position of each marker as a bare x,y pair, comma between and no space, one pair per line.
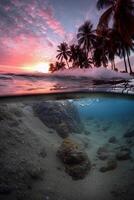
129,63
87,53
125,60
111,64
67,64
114,64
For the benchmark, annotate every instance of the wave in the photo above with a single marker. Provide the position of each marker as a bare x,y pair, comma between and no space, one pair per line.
4,76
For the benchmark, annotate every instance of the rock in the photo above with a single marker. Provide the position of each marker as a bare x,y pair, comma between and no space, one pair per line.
87,132
111,165
123,154
103,153
61,116
36,173
42,152
112,139
5,189
76,161
130,142
129,134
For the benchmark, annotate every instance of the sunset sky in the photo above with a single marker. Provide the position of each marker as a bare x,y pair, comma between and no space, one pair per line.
31,29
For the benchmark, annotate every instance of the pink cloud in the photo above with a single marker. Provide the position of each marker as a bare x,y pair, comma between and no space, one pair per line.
48,15
24,32
23,50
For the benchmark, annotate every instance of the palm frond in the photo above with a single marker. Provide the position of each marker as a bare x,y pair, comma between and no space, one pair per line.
104,19
101,4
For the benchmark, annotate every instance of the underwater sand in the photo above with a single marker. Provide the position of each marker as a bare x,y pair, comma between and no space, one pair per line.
29,147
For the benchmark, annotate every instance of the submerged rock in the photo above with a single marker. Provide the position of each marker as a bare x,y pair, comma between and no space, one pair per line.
103,153
62,116
5,189
129,134
123,154
110,165
112,140
76,161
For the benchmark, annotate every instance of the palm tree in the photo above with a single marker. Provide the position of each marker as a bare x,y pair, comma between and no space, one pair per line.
86,36
63,52
113,43
78,57
124,50
100,51
122,13
52,68
82,59
128,49
59,66
73,54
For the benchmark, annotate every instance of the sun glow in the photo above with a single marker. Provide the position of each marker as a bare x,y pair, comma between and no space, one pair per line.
42,67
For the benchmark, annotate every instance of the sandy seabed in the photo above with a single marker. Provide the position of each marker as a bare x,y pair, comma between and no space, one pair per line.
30,169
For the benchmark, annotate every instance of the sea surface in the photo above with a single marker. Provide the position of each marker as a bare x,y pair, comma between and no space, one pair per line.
11,84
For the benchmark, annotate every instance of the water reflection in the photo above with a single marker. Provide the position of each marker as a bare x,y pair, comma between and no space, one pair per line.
30,85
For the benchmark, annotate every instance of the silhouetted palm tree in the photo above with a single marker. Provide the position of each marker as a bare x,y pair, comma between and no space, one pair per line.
82,59
59,66
100,51
73,54
124,50
63,52
52,67
122,14
113,44
78,57
128,49
86,36
121,52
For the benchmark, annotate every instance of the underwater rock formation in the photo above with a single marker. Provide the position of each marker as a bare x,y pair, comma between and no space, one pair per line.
76,161
110,165
129,134
22,155
112,139
123,154
103,153
61,116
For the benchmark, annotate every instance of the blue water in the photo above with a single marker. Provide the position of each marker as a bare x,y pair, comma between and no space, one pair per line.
106,108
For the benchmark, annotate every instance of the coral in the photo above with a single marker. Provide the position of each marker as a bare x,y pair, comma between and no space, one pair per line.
76,161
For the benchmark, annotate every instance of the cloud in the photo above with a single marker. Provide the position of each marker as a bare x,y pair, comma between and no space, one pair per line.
24,27
23,50
28,17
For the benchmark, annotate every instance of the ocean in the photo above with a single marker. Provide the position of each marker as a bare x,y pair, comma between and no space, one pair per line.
12,84
72,141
